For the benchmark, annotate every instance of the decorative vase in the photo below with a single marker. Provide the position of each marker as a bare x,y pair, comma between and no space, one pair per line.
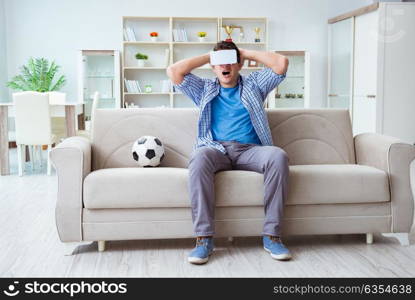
202,39
141,63
153,39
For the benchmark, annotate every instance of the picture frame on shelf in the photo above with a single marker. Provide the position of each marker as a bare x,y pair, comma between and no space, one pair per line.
252,63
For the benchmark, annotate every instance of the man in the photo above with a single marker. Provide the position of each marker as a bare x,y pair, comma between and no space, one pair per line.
233,133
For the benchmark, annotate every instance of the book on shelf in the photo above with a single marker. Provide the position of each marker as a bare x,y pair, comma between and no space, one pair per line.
129,34
166,86
133,86
180,35
167,57
125,35
176,90
137,86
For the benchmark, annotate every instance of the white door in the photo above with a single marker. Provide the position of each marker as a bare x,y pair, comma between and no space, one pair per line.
365,73
340,63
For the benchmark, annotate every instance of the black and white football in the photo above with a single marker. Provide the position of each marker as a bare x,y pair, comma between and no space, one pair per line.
148,151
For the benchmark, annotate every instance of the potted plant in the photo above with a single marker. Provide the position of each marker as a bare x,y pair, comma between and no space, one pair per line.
153,36
141,59
202,36
38,75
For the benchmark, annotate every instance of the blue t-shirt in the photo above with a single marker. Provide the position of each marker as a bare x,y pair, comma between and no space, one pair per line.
230,118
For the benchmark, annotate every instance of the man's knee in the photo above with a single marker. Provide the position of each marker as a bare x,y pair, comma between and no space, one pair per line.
277,157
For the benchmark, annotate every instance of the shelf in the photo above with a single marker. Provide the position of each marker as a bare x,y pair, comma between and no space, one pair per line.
145,68
261,19
146,43
100,99
195,19
146,18
125,93
194,43
100,77
250,43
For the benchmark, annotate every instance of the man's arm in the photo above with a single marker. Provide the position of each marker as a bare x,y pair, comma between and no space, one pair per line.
178,70
276,62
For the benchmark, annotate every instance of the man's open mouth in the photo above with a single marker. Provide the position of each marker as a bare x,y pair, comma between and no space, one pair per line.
224,73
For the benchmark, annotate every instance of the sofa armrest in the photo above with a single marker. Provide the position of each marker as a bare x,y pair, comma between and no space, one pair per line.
72,161
396,158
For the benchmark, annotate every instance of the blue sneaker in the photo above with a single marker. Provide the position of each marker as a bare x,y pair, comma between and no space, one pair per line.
275,247
200,254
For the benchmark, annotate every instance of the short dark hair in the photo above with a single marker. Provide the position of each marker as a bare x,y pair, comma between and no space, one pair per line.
225,45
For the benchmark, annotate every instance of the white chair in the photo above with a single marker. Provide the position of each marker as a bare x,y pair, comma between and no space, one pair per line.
33,126
89,124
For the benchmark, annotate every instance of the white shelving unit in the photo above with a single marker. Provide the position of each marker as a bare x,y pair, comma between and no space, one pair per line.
166,50
99,71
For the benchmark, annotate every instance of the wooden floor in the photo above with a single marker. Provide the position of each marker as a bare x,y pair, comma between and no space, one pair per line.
30,247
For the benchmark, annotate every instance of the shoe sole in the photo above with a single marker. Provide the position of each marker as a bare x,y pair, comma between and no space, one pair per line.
285,256
198,260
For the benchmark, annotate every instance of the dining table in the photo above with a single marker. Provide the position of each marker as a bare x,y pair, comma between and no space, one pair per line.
70,122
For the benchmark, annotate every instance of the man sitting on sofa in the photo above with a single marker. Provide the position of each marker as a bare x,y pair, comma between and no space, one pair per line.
233,133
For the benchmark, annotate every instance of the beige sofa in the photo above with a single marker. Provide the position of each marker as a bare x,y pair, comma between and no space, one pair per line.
337,185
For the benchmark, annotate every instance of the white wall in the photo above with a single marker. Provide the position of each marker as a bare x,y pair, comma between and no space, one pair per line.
3,54
56,29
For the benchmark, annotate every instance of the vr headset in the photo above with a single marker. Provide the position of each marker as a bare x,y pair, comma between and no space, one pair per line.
223,57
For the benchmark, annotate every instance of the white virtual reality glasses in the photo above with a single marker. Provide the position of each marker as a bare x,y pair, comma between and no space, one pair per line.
223,57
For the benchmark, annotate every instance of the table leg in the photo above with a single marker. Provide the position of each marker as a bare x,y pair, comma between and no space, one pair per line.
4,141
70,120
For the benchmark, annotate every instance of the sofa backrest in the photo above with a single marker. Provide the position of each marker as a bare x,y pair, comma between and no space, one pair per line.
309,136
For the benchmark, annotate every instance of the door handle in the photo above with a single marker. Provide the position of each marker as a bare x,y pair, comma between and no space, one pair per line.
370,96
333,95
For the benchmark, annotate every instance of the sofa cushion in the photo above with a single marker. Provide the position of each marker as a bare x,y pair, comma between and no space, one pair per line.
167,187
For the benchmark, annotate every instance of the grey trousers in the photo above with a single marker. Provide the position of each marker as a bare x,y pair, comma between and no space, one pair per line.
271,161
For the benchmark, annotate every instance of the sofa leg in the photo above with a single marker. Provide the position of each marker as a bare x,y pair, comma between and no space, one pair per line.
369,238
402,237
101,246
72,246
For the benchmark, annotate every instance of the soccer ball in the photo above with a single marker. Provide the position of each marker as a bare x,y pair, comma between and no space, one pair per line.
148,151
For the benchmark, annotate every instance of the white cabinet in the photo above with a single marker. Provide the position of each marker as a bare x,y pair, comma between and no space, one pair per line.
380,59
365,73
99,70
293,92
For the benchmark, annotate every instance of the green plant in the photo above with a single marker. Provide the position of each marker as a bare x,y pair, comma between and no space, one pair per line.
141,56
201,34
37,76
